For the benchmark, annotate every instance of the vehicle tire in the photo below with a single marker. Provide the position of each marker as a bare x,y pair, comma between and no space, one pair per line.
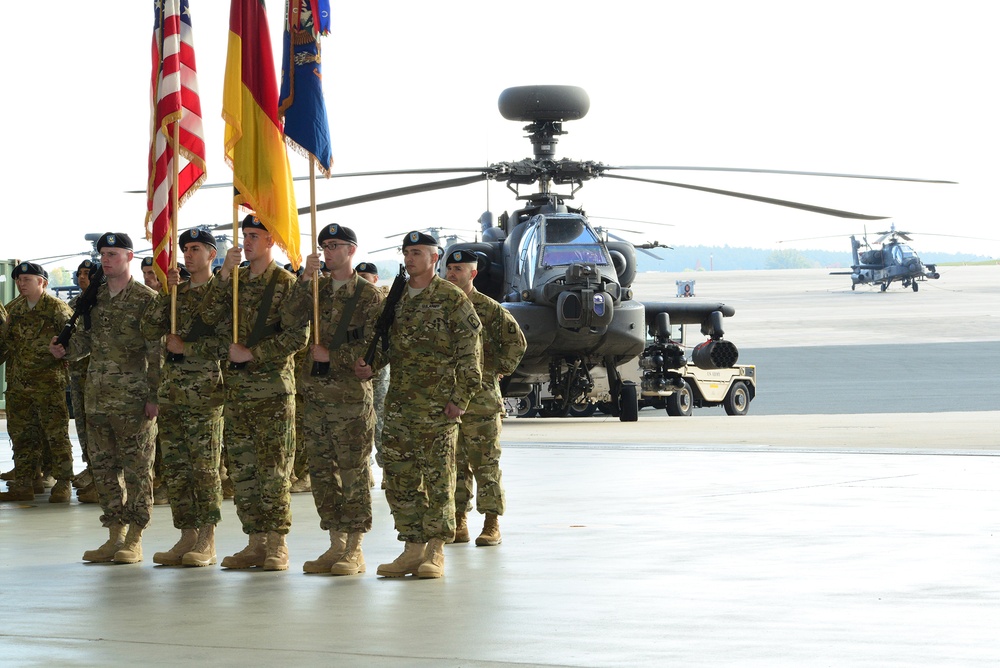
885,286
916,286
737,402
681,402
628,401
585,409
527,406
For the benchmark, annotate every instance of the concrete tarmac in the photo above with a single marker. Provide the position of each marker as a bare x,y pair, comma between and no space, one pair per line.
786,539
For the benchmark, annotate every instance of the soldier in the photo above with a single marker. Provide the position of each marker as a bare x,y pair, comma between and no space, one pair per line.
380,383
86,491
37,414
259,412
120,397
149,276
434,352
338,421
479,434
190,400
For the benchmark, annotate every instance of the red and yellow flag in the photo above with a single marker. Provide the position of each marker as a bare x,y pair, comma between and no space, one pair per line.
255,147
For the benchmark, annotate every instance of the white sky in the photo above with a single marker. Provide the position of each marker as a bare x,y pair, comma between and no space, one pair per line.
884,88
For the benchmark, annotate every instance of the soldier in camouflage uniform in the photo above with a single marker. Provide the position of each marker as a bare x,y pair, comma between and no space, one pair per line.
434,351
37,415
380,382
479,434
260,395
190,396
86,492
338,421
120,397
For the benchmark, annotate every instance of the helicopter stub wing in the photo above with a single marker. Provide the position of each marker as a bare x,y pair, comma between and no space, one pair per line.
687,313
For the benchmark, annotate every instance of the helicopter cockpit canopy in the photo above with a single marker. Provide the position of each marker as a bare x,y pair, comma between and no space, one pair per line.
569,240
902,252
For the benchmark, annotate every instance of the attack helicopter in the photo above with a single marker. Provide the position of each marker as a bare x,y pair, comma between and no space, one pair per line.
892,261
568,286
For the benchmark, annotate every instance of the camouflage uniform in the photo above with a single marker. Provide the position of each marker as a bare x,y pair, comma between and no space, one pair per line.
479,434
259,412
190,402
300,460
338,421
434,352
380,386
122,377
77,378
37,415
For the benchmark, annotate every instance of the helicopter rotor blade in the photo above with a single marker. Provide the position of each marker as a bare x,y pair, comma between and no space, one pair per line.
756,198
630,220
389,172
398,192
779,171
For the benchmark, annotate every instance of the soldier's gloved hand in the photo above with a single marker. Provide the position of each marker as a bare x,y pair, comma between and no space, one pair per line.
319,353
175,344
239,353
362,370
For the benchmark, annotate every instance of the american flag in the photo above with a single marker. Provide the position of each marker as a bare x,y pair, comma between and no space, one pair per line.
173,98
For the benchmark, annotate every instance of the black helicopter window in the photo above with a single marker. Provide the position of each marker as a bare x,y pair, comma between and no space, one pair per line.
569,241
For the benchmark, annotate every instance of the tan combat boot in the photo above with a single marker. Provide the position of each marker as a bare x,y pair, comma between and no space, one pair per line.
353,561
173,556
491,531
251,556
62,492
131,550
18,493
433,566
88,494
277,552
461,529
106,552
203,552
324,562
405,564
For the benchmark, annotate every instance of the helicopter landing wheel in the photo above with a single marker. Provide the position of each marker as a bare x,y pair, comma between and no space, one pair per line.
885,286
629,402
853,285
916,286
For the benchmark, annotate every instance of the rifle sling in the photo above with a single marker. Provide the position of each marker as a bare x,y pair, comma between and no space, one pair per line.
340,336
261,330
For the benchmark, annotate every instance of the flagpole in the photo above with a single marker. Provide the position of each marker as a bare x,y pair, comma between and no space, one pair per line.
236,273
174,206
312,215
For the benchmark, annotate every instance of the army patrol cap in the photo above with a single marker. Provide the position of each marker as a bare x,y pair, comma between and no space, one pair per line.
338,232
416,238
29,269
146,262
115,240
366,268
462,257
195,235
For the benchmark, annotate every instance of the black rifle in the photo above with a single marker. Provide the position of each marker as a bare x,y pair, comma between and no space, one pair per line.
388,314
84,303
